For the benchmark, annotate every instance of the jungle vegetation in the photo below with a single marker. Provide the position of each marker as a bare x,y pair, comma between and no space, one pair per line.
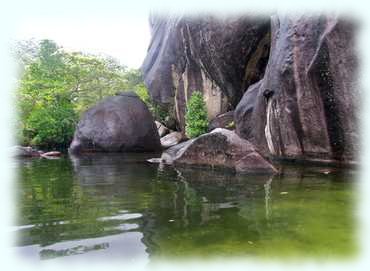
56,86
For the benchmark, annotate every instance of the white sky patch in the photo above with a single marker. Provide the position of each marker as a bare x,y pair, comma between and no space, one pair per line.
124,38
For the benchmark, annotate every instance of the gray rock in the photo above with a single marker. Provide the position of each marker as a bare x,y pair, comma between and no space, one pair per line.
155,160
162,130
171,139
117,124
218,56
174,152
254,163
219,148
299,72
306,105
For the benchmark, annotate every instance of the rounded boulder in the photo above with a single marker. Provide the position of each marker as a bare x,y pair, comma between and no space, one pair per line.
120,123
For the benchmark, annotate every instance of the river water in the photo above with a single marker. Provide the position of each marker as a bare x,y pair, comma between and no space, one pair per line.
120,207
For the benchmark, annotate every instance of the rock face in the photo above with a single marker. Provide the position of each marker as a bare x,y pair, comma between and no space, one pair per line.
219,148
116,124
225,120
305,106
220,57
291,80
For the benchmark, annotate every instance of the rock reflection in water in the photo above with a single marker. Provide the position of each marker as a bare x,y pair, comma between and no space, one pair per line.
120,205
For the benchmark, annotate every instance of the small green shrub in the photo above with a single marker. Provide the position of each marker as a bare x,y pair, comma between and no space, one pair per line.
196,118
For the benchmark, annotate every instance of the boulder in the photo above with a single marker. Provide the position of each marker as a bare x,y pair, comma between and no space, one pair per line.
162,130
218,56
117,124
171,139
219,148
306,105
225,121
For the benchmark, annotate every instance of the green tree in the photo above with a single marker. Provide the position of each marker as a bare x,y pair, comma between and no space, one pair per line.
43,98
196,118
52,124
56,86
94,78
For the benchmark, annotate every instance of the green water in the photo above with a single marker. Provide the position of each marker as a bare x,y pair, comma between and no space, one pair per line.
121,207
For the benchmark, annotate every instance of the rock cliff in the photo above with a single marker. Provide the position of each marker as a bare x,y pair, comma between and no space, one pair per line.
291,80
305,106
218,56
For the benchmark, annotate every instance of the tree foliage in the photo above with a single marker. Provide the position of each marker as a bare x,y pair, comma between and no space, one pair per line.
56,86
196,118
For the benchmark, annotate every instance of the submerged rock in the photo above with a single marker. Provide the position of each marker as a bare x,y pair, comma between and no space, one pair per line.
305,107
219,148
117,124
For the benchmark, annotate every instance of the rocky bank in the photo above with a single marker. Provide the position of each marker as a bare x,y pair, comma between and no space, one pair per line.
290,80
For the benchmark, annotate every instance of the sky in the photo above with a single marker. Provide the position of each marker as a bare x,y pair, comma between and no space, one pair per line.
119,28
121,31
125,39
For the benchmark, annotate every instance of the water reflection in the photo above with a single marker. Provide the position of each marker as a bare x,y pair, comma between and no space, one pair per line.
120,206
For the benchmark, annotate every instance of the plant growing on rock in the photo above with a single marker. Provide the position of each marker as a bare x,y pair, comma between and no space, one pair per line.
196,118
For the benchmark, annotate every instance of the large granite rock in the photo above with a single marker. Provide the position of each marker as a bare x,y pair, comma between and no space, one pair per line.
116,124
302,105
220,57
219,148
305,106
